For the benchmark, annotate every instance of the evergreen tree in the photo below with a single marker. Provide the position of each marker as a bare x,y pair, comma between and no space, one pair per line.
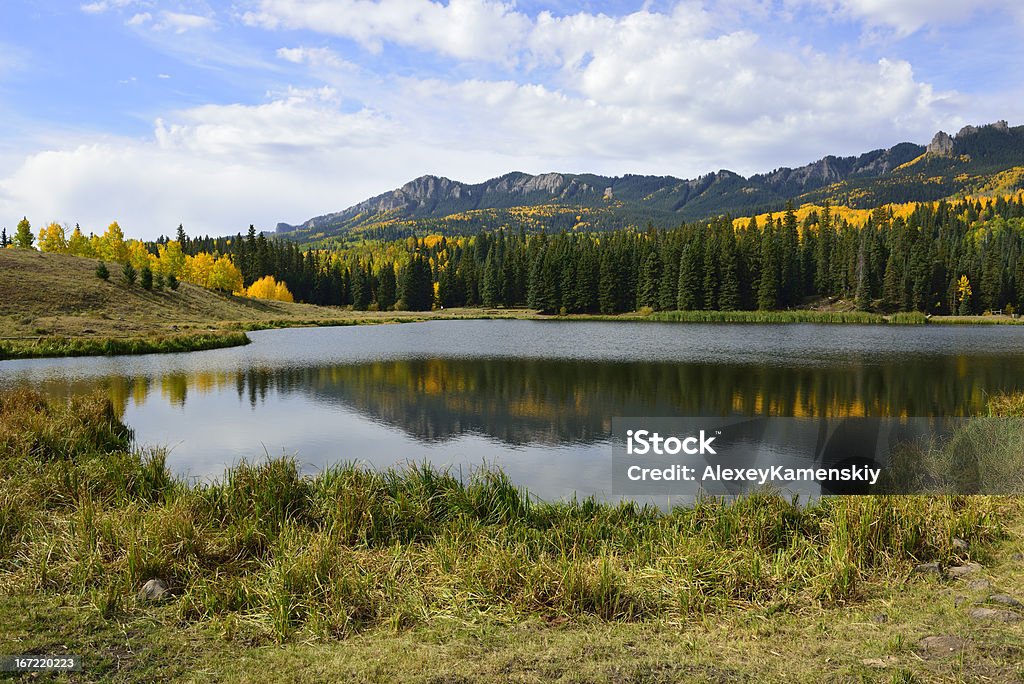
768,284
129,273
146,278
387,287
417,290
688,289
361,293
729,284
101,271
650,281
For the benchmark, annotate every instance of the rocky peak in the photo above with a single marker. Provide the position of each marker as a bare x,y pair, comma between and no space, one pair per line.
941,144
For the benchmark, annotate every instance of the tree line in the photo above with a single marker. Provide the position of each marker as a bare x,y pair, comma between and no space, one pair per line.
949,257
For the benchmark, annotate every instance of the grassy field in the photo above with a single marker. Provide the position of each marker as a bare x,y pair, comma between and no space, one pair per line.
414,575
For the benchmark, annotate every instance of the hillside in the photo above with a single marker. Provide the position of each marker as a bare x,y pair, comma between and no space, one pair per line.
986,159
58,295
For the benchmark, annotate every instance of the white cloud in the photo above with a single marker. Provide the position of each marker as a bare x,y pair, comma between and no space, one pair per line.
163,76
139,19
465,29
315,57
180,22
908,16
101,6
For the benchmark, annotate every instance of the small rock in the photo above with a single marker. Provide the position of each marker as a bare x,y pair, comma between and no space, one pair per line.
964,570
880,618
959,545
995,615
1017,557
928,569
979,585
942,644
1004,599
959,601
153,590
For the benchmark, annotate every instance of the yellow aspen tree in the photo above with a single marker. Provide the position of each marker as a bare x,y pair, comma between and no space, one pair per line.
52,239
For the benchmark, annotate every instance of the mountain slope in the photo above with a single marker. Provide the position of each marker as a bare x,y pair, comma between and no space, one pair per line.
966,162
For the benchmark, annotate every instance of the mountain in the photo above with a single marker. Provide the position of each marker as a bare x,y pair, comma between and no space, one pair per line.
977,159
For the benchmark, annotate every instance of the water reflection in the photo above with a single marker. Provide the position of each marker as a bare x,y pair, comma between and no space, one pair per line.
537,399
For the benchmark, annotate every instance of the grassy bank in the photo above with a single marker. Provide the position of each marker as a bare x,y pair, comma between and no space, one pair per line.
106,346
404,561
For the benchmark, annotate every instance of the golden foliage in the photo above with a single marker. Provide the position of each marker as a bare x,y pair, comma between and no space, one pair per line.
268,288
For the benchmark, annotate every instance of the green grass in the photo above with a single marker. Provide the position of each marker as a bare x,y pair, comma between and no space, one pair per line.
417,575
60,346
270,553
798,316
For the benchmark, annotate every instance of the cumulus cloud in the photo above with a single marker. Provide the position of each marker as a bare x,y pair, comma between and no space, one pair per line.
465,29
680,92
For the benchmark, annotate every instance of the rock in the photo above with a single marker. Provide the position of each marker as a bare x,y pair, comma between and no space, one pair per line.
942,644
1005,599
880,618
959,545
153,590
964,570
928,569
979,585
995,615
959,601
941,144
1017,557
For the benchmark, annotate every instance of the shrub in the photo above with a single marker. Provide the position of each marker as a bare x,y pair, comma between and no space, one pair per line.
101,271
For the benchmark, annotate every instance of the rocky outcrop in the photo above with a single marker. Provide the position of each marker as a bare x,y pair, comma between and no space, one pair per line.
941,145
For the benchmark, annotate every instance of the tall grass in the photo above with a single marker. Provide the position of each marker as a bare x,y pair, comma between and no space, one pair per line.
271,552
112,346
798,316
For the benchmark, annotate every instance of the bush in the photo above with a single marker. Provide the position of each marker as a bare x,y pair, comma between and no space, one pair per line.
146,278
172,282
101,271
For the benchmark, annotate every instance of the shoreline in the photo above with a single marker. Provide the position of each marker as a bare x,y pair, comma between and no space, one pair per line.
232,333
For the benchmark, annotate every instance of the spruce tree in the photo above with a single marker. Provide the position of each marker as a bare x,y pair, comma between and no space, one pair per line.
101,271
387,287
650,281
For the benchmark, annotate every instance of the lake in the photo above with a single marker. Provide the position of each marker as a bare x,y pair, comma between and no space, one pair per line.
534,397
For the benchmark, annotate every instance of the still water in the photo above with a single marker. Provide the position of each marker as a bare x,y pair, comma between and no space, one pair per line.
533,397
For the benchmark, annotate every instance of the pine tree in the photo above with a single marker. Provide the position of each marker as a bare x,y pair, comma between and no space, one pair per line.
418,285
729,284
768,284
361,293
650,281
101,271
387,287
688,289
146,278
129,273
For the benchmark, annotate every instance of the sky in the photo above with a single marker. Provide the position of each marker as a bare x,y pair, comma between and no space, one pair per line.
217,115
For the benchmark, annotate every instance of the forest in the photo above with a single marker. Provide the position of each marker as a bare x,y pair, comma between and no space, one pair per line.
948,257
961,257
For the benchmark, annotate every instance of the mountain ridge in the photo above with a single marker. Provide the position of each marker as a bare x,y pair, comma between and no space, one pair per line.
908,167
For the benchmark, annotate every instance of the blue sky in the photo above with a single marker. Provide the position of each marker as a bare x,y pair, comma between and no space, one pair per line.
221,114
